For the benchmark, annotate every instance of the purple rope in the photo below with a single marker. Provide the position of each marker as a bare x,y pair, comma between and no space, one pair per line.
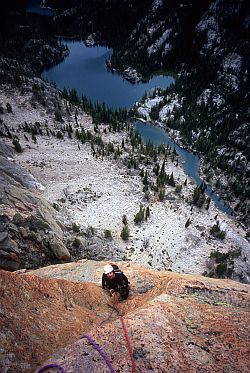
51,366
100,352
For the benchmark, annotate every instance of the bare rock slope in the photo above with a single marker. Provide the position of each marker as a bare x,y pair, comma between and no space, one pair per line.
174,322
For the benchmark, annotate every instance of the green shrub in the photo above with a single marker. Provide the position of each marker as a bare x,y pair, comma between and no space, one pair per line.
139,216
107,233
58,116
56,206
90,231
217,232
75,228
224,263
59,135
9,107
124,220
178,188
76,242
199,197
161,194
125,233
17,145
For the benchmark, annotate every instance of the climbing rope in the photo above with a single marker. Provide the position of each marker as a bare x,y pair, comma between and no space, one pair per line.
128,343
98,348
51,366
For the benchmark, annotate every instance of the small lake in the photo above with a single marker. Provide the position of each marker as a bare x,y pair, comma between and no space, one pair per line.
85,70
33,7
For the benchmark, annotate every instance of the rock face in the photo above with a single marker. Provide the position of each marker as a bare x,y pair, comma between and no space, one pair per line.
177,321
27,221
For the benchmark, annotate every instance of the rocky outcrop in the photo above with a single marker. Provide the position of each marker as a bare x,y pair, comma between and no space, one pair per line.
173,321
30,236
131,75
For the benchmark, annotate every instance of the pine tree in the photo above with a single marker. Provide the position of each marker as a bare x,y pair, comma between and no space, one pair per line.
145,179
17,145
161,194
125,232
124,220
139,216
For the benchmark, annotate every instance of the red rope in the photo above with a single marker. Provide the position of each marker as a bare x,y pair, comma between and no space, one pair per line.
129,344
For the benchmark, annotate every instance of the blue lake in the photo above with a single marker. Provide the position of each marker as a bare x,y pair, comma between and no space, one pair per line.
85,70
33,7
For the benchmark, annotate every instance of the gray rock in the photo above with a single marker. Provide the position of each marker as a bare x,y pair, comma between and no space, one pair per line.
4,221
143,285
191,238
58,248
18,219
44,220
9,256
6,150
3,236
24,232
132,75
38,223
15,174
9,245
9,265
38,238
13,228
98,249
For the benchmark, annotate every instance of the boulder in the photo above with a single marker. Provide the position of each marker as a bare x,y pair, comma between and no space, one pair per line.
3,236
9,245
18,219
58,248
9,261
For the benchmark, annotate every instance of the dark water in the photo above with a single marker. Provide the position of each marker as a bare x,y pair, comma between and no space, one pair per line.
85,70
33,6
190,161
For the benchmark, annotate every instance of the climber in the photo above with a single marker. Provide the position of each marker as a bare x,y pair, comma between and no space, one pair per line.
115,281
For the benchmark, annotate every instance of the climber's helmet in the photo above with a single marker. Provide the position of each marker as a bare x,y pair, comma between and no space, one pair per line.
108,269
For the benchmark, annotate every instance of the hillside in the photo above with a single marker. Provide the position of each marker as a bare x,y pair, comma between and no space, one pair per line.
173,321
68,181
206,44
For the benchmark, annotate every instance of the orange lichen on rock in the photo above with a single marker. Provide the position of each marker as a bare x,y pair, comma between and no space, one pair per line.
175,322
